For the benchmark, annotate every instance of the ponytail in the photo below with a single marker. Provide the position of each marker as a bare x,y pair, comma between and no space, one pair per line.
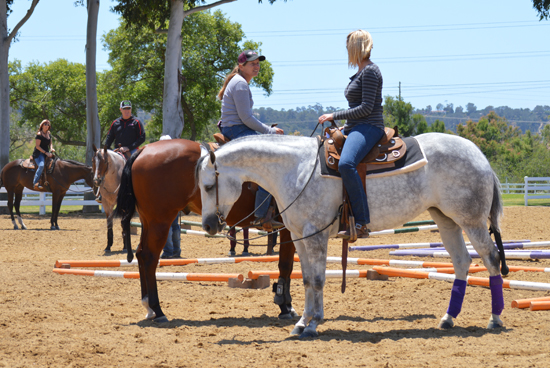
230,76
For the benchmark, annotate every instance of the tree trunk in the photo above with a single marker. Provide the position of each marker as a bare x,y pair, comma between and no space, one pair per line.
172,112
4,87
92,117
5,41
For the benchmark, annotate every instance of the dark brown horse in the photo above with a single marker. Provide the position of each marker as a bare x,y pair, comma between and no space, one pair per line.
66,172
160,181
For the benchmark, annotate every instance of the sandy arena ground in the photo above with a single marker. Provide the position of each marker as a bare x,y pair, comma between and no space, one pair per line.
49,320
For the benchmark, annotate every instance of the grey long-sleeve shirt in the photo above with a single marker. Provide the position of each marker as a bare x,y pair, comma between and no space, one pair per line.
364,95
237,107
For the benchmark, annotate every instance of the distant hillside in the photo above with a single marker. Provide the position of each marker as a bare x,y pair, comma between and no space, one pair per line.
304,119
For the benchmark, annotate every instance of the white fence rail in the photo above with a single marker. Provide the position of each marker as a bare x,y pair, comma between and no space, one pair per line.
73,197
536,188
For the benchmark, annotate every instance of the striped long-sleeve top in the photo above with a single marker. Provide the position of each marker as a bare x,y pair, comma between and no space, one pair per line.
364,95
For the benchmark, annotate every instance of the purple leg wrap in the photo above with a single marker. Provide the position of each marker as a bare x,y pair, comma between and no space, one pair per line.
457,297
497,299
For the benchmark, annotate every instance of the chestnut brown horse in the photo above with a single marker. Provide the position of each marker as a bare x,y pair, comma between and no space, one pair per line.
160,181
66,172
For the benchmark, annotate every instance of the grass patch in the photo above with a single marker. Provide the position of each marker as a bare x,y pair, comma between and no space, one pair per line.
519,200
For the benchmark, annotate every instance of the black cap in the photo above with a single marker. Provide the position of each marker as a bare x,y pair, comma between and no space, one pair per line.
249,55
125,104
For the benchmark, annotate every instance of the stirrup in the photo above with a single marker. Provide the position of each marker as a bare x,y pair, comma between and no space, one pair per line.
262,224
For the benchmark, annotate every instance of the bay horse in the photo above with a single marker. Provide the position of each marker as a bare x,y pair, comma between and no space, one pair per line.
66,172
159,181
107,166
457,186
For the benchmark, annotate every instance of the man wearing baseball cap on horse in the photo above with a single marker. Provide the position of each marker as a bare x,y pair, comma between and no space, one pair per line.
127,132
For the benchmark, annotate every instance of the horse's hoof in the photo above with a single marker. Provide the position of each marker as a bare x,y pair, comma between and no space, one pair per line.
23,227
107,251
15,227
309,332
53,228
285,316
245,254
56,227
161,319
495,322
446,325
232,253
298,330
294,314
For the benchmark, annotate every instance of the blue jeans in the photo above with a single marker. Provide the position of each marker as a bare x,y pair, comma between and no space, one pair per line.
172,248
40,162
238,131
361,138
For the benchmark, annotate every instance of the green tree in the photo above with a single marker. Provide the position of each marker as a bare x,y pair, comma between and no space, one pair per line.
5,41
422,127
398,113
210,46
157,14
54,91
543,8
438,126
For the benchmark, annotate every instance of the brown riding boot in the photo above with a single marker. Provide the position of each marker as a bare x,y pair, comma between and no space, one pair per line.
362,232
268,225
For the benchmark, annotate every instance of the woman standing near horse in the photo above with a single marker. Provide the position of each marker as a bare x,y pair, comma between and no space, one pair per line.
364,124
238,120
43,149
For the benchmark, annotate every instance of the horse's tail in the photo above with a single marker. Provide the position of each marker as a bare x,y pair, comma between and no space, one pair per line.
1,183
126,204
494,218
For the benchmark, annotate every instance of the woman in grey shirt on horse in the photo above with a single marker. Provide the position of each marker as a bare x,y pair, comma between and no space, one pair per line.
238,120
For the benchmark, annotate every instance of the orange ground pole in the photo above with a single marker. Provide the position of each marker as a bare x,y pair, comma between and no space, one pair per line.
526,303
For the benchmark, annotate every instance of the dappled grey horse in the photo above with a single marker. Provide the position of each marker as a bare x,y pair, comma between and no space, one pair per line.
457,186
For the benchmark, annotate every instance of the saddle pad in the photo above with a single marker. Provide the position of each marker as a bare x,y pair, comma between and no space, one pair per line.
413,159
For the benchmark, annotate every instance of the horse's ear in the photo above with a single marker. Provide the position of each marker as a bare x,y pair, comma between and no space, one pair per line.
212,157
105,148
94,147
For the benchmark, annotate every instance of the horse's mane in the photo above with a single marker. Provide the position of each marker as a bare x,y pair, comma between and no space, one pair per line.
75,163
199,162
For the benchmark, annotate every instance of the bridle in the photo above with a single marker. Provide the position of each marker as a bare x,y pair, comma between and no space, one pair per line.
101,179
221,219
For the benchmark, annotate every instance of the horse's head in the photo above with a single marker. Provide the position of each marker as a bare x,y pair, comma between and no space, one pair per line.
220,189
100,165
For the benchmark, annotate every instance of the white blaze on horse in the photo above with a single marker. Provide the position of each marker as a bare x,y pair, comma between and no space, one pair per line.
457,186
107,167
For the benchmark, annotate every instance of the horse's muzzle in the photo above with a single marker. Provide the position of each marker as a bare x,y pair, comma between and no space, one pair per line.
211,225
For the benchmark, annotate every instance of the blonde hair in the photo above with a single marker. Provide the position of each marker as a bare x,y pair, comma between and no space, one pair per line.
359,45
230,76
42,124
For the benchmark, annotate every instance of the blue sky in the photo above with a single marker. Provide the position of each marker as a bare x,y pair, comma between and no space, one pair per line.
487,52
